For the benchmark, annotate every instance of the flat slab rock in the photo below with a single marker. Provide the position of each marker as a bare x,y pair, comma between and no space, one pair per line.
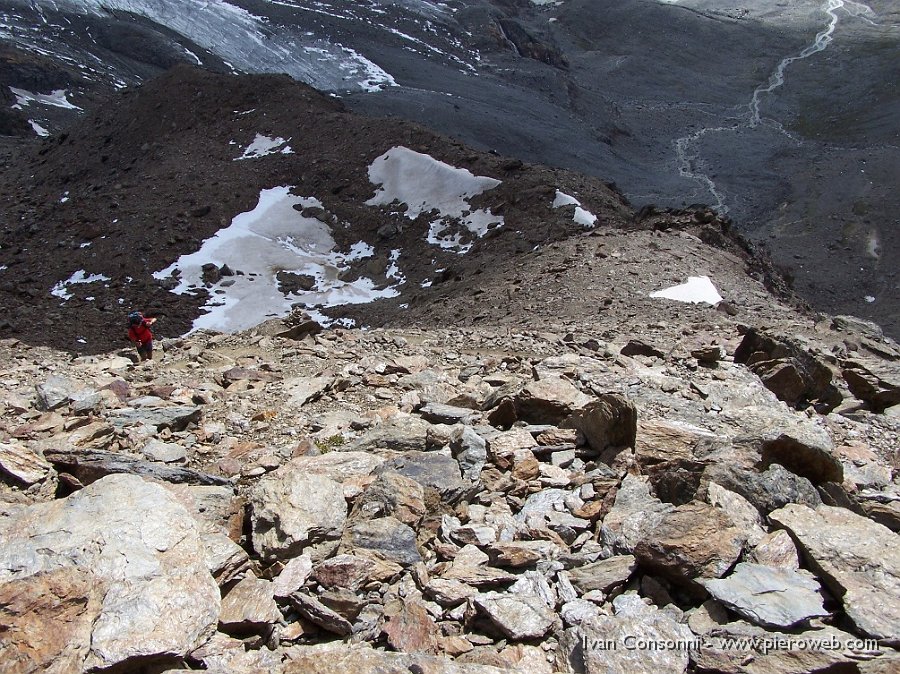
519,617
90,465
769,597
22,463
858,559
362,659
120,563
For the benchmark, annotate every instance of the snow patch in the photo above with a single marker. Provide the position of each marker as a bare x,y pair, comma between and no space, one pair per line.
272,238
61,289
38,129
697,289
263,145
582,216
57,99
425,184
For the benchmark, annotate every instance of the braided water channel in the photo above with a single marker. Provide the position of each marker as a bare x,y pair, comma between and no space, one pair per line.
688,157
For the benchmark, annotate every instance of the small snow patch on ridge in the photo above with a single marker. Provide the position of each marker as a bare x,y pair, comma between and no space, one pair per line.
263,145
582,216
697,289
425,184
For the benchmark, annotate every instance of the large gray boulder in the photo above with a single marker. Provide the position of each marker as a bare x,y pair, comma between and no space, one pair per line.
609,421
291,510
856,558
692,541
635,512
767,491
120,564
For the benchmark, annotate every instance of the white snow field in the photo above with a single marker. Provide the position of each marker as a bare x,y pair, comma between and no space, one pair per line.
272,238
425,184
697,289
58,98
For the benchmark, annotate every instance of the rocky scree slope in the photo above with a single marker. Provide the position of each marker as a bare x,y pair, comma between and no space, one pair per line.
457,500
128,190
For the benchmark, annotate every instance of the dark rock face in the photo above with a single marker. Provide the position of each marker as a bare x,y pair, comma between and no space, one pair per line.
790,371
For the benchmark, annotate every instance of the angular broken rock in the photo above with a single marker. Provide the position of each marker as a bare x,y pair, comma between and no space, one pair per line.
875,382
89,465
789,369
249,606
856,558
769,597
293,576
338,466
164,452
337,658
135,539
609,421
47,619
56,392
692,541
391,494
176,417
767,491
470,451
439,413
612,644
430,469
549,401
767,652
305,389
225,559
449,592
804,455
739,510
659,441
22,463
387,538
519,616
291,510
634,512
777,550
603,575
517,554
411,629
353,572
469,567
316,612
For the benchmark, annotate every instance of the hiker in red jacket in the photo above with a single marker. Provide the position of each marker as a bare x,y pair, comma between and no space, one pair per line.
139,333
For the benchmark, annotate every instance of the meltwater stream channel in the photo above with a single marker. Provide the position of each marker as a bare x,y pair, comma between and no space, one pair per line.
690,163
